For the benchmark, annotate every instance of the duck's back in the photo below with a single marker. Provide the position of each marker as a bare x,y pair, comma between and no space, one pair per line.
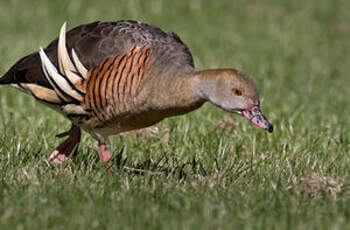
97,41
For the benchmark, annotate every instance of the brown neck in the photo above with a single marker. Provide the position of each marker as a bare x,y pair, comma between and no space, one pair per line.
188,92
204,82
173,95
185,95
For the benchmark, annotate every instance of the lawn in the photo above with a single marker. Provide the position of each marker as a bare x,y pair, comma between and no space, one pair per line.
208,169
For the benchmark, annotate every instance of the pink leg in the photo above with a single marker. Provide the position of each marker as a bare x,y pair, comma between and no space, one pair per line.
62,152
105,154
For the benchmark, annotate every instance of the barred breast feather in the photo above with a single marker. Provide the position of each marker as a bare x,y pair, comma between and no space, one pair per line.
113,85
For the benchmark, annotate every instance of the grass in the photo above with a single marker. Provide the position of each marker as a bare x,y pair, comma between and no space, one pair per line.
208,169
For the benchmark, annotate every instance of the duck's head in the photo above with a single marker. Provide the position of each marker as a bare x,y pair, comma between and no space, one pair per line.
234,92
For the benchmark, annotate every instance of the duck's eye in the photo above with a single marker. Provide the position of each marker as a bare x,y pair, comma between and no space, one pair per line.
237,91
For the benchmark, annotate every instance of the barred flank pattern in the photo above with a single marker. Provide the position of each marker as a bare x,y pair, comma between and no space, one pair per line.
111,87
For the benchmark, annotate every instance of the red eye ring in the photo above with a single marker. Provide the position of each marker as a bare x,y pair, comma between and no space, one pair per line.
237,91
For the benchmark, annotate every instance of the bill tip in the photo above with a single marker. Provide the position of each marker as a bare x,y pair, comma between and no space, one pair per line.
270,128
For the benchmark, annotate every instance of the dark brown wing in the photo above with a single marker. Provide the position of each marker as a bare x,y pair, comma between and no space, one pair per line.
99,40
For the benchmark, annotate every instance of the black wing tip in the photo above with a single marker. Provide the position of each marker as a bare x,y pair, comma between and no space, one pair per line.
13,76
5,79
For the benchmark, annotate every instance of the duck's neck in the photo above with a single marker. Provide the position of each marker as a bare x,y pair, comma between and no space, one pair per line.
204,83
178,95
